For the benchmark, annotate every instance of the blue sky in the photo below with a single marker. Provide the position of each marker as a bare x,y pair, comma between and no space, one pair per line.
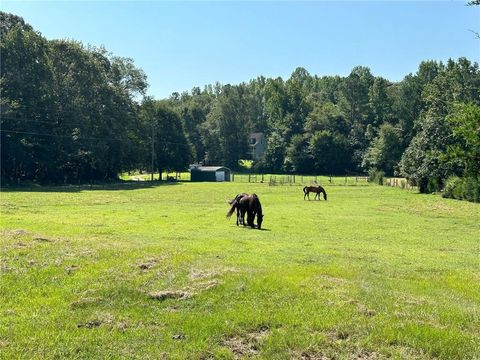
184,44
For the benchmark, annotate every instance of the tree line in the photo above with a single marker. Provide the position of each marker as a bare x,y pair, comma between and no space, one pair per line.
72,113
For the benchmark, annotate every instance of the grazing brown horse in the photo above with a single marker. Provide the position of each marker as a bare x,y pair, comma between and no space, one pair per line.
315,189
249,204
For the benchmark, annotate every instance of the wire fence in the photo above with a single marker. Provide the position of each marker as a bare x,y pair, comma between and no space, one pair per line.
284,179
279,179
399,182
270,179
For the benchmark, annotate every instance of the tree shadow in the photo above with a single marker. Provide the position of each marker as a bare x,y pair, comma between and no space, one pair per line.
121,185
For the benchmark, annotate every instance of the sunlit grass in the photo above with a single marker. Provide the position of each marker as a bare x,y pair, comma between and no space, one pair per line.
373,272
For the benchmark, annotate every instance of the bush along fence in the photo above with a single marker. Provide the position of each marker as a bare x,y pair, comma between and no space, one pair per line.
399,182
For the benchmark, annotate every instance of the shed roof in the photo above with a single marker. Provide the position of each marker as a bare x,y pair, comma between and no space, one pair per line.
210,168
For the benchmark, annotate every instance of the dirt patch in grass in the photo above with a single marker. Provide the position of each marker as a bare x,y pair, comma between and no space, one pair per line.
149,263
71,269
170,294
20,245
14,233
104,319
337,335
184,293
248,344
306,355
179,337
196,274
4,343
83,302
42,239
367,355
202,274
331,279
363,309
207,285
5,269
90,324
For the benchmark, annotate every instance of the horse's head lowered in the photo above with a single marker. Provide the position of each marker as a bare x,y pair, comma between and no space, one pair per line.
259,220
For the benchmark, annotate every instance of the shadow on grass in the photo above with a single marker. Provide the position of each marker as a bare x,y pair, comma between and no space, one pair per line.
250,228
121,185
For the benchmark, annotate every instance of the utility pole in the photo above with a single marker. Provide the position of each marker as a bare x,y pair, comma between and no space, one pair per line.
153,149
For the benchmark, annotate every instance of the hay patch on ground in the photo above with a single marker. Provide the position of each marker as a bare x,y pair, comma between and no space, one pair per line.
248,344
148,263
169,294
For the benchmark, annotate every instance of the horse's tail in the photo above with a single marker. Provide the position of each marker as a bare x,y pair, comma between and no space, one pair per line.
305,190
236,198
232,209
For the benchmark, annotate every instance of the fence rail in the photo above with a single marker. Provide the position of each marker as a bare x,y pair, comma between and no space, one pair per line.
399,182
275,179
270,179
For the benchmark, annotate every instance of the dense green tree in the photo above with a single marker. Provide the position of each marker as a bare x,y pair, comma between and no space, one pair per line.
465,122
385,150
171,146
275,153
68,112
193,109
330,152
425,161
226,129
297,158
355,103
380,102
26,80
326,116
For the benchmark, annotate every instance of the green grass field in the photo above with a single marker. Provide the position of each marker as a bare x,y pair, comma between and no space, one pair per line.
159,272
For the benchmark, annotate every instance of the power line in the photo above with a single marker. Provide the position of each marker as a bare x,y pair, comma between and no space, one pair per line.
53,109
60,123
73,137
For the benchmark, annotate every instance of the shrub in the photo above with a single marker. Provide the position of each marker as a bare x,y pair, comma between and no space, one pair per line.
433,185
462,188
376,176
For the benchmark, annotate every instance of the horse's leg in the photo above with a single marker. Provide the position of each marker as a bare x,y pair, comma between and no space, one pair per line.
242,217
238,215
250,218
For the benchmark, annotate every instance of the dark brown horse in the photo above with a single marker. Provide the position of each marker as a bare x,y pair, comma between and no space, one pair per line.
249,204
315,189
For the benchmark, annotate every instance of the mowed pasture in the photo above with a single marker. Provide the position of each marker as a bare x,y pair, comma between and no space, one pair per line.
153,272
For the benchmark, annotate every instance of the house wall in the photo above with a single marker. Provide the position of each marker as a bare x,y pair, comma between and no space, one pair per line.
259,149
